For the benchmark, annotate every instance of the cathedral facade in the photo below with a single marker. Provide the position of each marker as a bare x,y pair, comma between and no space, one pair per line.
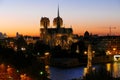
55,36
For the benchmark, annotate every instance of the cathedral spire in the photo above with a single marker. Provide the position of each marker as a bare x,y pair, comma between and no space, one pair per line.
58,22
58,12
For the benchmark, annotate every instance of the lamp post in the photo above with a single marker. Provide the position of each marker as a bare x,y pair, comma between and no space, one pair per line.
89,63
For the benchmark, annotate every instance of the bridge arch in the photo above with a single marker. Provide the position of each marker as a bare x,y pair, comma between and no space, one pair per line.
116,57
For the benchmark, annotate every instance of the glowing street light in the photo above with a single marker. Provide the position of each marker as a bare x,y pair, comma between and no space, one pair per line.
85,52
114,49
108,53
41,72
23,48
47,53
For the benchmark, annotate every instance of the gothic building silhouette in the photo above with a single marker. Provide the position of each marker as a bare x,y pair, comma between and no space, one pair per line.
55,36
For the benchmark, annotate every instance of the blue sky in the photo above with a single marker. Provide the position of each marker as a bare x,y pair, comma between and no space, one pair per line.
96,16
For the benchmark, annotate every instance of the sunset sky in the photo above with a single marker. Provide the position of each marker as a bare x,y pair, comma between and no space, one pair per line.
95,16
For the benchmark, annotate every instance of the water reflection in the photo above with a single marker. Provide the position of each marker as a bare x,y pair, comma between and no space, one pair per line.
47,69
67,74
114,68
85,71
108,66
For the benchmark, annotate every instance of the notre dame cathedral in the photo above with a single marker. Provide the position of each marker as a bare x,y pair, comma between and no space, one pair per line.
56,36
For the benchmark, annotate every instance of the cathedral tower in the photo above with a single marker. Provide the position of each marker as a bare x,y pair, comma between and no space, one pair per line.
58,22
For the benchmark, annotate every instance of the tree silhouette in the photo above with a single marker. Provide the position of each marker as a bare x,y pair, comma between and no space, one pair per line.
20,42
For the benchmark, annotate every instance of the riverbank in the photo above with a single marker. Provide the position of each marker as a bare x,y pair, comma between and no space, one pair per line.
74,62
64,62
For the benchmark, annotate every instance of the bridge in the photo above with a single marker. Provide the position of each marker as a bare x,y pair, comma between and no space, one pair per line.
116,57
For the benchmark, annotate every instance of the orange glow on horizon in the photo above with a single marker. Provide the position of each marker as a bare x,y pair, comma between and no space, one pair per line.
32,28
96,18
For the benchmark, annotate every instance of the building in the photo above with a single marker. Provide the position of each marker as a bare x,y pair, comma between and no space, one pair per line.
55,36
3,36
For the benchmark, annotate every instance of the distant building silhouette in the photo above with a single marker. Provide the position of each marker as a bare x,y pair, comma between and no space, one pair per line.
55,36
18,35
86,34
3,36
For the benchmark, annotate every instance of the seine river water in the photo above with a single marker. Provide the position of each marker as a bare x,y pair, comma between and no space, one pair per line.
68,74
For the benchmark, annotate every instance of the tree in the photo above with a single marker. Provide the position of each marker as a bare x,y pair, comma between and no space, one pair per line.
20,42
41,47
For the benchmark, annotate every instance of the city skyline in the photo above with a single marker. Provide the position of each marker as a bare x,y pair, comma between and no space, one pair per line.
95,16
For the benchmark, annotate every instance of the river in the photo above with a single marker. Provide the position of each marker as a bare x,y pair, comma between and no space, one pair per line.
68,74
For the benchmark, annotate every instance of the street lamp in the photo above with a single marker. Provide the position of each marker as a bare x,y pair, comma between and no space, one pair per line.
47,54
114,49
108,53
85,52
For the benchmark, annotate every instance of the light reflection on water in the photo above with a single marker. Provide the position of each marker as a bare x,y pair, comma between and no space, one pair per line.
114,68
67,74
